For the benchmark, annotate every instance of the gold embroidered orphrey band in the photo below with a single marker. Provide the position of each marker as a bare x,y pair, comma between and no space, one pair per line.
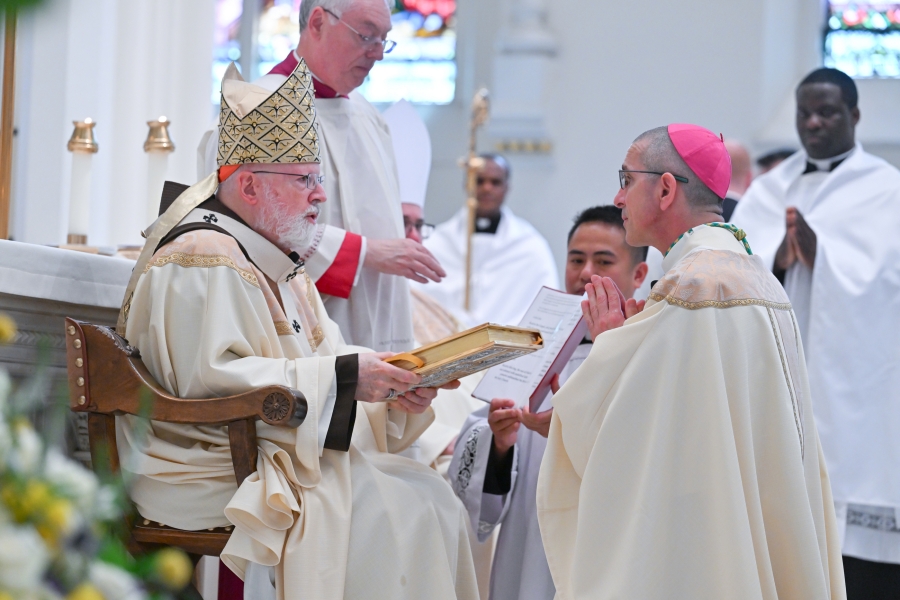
719,303
183,259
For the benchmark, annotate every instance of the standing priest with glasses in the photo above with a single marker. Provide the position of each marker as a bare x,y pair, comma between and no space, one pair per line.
359,257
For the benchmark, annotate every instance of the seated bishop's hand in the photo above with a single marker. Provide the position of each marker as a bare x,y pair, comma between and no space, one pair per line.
417,400
378,380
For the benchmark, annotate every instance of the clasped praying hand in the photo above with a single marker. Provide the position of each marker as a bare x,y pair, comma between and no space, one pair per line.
799,242
605,307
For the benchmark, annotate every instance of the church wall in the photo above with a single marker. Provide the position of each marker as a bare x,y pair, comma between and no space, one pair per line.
614,70
122,63
621,68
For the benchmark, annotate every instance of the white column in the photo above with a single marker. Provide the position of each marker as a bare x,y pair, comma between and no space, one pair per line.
129,61
525,51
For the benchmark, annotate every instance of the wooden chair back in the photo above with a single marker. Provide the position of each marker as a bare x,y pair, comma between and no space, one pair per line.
107,378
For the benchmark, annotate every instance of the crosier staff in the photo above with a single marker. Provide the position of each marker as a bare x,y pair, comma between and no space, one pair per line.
480,109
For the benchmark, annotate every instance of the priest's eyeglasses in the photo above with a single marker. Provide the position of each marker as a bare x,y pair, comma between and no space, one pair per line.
623,173
425,230
311,180
369,41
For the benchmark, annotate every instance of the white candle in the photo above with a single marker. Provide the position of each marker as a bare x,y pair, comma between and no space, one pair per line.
80,197
157,163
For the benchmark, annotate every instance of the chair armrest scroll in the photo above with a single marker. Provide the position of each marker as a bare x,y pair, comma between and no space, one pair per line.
107,376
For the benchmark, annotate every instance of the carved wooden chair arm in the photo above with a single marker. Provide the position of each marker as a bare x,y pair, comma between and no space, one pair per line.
111,379
108,378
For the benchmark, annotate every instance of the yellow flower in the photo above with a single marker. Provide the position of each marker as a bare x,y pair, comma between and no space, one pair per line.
6,596
59,514
173,568
36,495
85,591
7,329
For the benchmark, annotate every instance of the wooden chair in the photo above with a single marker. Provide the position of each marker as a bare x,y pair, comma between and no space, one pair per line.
107,378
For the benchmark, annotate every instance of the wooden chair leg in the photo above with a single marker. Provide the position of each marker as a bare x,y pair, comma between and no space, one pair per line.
102,436
242,437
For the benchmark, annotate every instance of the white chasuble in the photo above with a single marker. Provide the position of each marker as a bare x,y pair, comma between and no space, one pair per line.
683,459
509,268
359,524
364,198
848,307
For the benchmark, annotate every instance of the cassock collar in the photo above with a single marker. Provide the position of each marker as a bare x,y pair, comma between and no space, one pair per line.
287,66
488,224
826,164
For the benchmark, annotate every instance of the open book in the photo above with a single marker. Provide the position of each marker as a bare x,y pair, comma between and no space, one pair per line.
558,317
468,352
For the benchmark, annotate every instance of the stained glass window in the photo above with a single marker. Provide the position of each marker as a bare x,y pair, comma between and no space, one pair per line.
277,34
421,68
226,41
862,39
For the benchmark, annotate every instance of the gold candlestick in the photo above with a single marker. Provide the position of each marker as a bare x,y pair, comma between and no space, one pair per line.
158,139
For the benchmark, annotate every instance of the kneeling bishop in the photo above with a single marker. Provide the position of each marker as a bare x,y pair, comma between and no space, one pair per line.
683,459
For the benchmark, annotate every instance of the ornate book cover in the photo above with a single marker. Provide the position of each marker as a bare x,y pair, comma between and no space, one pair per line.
468,352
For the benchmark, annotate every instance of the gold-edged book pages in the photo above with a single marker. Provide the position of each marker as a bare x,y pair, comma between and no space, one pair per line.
468,352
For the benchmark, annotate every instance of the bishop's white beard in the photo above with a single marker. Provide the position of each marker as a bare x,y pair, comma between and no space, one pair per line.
290,229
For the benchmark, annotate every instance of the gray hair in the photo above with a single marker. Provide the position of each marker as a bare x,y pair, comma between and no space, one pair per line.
660,155
336,6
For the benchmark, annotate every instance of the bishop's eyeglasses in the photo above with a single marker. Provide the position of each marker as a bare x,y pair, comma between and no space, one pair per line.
623,174
369,41
311,180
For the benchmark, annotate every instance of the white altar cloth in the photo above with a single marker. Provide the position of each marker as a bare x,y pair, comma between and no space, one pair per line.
63,275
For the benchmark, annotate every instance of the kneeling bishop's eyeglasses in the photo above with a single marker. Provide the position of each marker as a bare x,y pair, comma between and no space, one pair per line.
623,175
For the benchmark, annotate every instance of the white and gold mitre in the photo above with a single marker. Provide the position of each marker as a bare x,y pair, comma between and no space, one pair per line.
260,126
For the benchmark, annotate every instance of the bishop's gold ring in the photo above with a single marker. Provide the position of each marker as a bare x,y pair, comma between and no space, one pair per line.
392,394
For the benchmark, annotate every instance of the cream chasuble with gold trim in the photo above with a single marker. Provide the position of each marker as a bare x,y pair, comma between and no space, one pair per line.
683,459
360,524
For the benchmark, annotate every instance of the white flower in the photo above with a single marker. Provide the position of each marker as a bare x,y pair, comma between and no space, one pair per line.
114,583
23,559
106,507
26,454
72,479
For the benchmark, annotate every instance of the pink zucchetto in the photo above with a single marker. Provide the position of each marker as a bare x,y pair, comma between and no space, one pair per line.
705,154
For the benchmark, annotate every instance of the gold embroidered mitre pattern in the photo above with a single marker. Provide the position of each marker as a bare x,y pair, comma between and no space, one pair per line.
282,129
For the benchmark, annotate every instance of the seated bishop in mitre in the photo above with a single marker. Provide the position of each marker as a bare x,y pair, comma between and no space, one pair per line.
219,304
